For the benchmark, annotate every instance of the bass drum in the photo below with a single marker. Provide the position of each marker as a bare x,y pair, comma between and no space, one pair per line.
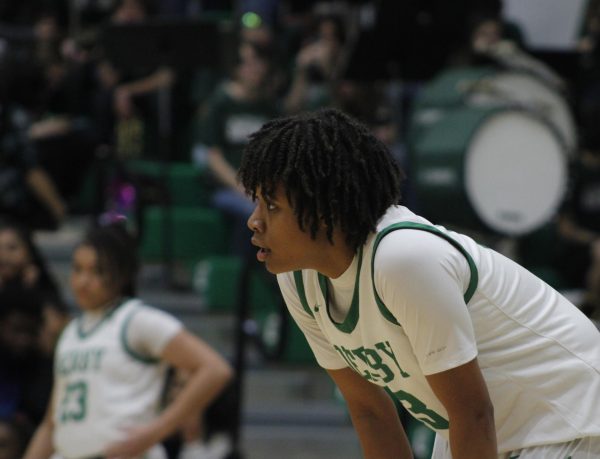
497,169
490,87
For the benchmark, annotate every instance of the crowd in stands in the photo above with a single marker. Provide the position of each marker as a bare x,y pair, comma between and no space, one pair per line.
66,106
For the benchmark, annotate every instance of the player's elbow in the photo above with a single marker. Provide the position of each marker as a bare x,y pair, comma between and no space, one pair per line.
224,372
485,415
478,418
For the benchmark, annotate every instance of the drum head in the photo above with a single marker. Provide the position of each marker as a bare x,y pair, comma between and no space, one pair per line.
522,89
515,172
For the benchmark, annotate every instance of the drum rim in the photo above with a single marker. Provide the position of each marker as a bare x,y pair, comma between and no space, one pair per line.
552,88
563,157
480,72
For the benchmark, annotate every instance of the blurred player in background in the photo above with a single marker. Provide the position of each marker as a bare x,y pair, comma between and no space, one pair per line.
111,363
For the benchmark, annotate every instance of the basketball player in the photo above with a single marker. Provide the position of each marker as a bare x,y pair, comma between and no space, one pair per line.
498,363
110,364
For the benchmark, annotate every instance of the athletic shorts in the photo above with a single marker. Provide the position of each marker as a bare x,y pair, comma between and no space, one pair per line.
581,448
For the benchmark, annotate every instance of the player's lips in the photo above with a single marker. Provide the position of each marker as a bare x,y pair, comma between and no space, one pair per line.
263,252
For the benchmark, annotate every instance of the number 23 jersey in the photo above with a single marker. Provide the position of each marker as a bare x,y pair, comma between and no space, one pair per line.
103,383
419,299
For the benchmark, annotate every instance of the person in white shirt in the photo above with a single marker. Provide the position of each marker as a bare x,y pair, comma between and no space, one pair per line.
480,350
111,362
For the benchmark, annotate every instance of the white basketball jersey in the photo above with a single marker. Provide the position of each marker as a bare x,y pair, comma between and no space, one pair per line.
102,387
539,355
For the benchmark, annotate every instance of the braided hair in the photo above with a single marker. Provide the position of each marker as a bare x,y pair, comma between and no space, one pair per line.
334,172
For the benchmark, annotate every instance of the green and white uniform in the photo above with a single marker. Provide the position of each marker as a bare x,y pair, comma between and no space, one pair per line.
419,299
108,377
228,122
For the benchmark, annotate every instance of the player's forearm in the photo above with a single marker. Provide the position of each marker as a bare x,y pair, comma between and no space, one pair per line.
573,232
221,168
161,78
380,438
201,389
44,189
474,437
295,98
40,446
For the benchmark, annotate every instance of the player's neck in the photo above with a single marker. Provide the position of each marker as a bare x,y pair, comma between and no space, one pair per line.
335,259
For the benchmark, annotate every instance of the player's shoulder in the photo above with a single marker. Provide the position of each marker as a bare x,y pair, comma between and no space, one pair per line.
413,256
134,308
411,244
404,235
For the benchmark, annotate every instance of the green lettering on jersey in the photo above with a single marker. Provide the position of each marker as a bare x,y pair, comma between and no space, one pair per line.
386,348
347,356
79,361
73,406
420,411
375,363
97,359
371,363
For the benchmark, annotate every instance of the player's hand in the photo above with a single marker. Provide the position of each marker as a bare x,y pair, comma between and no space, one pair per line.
138,441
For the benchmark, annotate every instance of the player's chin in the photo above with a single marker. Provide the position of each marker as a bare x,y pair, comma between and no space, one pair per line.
272,269
276,268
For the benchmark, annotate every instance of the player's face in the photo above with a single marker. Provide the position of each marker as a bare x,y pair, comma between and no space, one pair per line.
283,246
90,285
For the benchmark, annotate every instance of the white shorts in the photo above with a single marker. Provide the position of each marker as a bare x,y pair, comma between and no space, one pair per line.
581,448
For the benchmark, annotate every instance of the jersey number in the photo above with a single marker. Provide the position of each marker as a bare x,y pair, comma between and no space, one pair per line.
421,412
74,404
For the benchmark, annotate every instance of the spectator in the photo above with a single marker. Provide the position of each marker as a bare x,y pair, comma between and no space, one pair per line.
236,109
27,192
14,435
493,41
317,64
25,373
23,266
21,262
125,104
62,131
589,63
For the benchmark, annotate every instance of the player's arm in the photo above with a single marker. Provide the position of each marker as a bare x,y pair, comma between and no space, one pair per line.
374,417
40,446
570,230
208,375
463,392
222,169
422,279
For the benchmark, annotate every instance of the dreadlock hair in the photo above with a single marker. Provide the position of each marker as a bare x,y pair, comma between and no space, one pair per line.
334,172
117,255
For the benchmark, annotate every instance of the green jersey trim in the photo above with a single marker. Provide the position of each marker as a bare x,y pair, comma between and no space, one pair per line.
301,294
107,314
351,319
132,353
474,280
